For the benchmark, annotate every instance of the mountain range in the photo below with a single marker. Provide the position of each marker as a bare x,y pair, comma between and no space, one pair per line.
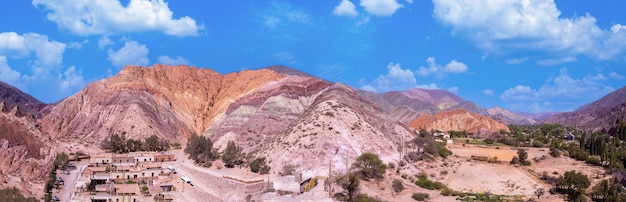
285,115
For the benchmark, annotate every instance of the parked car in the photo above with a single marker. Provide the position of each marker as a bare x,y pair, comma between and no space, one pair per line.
65,172
55,198
59,179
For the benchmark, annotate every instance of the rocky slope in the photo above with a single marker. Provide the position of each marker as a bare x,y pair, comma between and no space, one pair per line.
507,117
338,124
440,98
596,116
266,112
26,152
169,101
457,120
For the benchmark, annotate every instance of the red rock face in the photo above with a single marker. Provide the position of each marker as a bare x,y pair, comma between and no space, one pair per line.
169,101
457,120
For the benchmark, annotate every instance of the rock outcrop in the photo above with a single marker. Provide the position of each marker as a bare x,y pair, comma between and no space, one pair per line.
26,152
457,120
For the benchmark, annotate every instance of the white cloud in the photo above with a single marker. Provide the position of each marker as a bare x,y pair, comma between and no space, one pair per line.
530,25
396,79
46,79
453,67
381,7
454,89
164,59
48,53
555,61
132,53
103,42
282,14
7,74
428,86
615,75
72,78
110,17
561,89
77,45
488,92
519,93
345,8
516,60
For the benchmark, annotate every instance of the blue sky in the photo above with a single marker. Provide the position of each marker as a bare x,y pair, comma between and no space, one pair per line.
521,55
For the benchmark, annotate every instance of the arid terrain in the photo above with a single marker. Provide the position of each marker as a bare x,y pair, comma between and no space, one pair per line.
280,114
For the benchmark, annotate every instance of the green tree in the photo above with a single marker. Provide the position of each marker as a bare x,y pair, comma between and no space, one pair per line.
522,155
152,143
573,183
259,165
370,166
351,185
200,149
232,155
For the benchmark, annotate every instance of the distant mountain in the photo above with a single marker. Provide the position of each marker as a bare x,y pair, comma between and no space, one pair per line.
596,116
507,117
470,107
457,120
24,103
440,98
538,117
414,102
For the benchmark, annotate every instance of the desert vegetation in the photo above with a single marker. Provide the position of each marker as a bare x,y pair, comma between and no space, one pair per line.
120,144
14,195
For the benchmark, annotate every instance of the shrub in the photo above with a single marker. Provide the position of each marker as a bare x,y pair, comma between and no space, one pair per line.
397,185
594,160
14,194
489,141
366,198
289,169
554,152
425,183
259,165
418,196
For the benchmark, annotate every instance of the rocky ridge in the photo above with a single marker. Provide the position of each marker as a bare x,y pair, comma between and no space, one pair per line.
457,120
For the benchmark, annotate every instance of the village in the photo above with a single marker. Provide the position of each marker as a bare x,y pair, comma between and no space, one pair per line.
136,176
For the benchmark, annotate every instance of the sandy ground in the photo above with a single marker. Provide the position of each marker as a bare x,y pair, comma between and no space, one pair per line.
208,183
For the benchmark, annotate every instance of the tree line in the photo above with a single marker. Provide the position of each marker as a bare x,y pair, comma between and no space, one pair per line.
120,144
200,149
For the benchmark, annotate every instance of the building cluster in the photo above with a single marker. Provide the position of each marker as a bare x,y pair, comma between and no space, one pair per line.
124,177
